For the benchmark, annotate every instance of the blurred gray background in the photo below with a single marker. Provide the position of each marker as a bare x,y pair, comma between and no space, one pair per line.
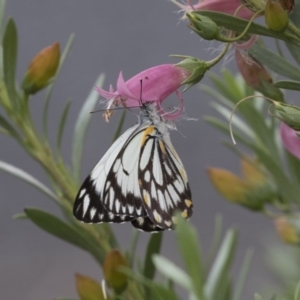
111,35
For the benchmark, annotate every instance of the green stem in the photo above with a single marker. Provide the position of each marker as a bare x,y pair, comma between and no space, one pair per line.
292,28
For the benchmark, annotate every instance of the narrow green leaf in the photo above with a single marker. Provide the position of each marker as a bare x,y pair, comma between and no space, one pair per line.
294,166
258,297
154,246
216,239
20,216
9,129
10,49
56,227
173,272
189,247
120,125
157,291
297,292
62,125
274,61
295,15
294,50
133,245
2,13
242,276
238,25
288,85
81,128
27,178
222,126
287,189
221,266
236,121
50,87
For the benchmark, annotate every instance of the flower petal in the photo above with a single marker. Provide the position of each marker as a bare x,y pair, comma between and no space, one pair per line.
290,139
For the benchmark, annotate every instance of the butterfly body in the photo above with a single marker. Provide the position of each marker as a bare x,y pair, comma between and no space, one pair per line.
139,179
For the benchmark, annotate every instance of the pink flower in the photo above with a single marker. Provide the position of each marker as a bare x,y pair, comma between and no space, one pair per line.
224,6
290,139
151,85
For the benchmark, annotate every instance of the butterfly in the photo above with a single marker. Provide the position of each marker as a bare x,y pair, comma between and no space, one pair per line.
140,179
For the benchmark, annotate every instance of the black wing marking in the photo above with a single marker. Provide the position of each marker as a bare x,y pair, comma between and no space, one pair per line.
163,181
145,224
89,206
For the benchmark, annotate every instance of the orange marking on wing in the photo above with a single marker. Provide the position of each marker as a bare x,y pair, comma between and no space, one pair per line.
147,132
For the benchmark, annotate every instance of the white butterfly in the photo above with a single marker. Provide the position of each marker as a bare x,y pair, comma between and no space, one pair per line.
140,179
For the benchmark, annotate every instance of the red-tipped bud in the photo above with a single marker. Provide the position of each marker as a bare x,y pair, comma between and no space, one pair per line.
41,69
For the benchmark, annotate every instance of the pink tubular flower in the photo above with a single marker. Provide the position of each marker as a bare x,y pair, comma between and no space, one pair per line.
290,139
151,85
224,6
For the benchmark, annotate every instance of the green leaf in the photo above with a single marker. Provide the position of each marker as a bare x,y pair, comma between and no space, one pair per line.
297,292
188,245
62,125
294,50
288,85
173,272
294,166
238,25
242,276
10,49
81,128
221,266
8,168
133,245
258,297
154,246
295,15
9,129
56,227
157,291
236,121
274,61
50,87
222,126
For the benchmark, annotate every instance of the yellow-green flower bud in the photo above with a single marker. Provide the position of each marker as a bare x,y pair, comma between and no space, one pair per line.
288,114
88,288
275,16
288,228
252,190
41,69
115,279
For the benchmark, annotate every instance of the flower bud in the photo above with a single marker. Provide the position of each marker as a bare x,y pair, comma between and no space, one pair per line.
113,276
88,288
257,76
41,69
195,67
253,190
203,26
288,228
276,17
288,114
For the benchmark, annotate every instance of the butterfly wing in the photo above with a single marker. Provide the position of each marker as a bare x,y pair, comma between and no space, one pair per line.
163,182
101,184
